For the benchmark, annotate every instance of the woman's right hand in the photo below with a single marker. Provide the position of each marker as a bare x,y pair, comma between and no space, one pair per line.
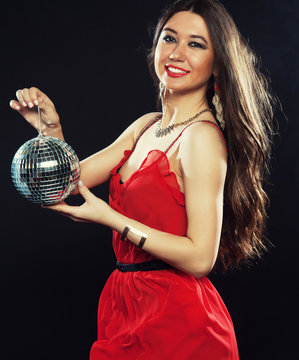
26,105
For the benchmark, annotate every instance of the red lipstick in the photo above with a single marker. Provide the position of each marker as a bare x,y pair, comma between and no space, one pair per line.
175,71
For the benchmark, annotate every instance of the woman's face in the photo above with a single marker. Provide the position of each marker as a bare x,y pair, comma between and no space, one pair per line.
184,56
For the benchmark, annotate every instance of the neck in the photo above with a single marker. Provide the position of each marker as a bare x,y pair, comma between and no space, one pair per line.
180,107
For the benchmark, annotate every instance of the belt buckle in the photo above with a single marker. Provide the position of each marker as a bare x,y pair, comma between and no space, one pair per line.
141,266
121,267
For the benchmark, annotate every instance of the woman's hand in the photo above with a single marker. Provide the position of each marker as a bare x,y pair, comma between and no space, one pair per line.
94,210
26,105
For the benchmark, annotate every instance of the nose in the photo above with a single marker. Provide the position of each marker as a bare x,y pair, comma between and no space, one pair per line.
178,54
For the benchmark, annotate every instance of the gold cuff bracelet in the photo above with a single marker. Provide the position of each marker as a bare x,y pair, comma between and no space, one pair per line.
135,232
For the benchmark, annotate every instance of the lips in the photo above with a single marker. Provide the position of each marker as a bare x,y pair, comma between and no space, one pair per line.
175,71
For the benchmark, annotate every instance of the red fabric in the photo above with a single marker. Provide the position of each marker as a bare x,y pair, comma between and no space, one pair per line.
160,314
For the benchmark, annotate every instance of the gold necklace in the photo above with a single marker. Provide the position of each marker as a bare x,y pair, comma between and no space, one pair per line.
162,132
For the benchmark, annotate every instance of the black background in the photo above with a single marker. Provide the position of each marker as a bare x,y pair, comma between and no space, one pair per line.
90,59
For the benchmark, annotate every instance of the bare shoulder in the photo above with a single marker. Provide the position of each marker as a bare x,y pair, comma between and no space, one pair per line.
202,150
203,138
202,159
142,121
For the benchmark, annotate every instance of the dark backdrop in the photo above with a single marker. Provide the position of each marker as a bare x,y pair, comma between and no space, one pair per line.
90,60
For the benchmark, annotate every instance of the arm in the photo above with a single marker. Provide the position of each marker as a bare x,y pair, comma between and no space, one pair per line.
95,169
203,165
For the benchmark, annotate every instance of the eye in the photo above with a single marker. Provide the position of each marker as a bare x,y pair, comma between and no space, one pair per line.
195,44
169,38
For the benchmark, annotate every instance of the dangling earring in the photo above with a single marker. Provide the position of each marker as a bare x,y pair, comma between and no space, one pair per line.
162,93
218,106
161,89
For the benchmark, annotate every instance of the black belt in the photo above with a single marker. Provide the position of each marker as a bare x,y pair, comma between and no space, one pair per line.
143,266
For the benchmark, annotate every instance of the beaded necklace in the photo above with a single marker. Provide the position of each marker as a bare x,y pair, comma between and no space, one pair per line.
162,132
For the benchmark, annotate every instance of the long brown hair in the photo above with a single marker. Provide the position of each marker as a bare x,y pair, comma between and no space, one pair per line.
248,114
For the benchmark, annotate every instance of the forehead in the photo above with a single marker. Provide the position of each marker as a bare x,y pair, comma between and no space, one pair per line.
187,23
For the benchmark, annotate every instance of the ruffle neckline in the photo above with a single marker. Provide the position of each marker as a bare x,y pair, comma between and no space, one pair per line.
164,169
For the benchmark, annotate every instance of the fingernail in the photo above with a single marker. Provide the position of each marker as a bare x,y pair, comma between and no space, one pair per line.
80,183
30,104
18,107
24,104
35,102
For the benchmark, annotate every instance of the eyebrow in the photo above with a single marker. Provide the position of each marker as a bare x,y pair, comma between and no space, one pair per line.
192,36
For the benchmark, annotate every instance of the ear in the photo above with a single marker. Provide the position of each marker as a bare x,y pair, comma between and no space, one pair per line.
215,72
215,69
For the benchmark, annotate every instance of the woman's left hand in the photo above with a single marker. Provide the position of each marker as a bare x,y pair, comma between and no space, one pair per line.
93,210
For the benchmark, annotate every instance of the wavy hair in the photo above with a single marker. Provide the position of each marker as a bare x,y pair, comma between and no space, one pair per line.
248,113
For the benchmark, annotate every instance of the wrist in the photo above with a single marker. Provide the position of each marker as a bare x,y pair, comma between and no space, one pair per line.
136,236
114,220
54,131
126,227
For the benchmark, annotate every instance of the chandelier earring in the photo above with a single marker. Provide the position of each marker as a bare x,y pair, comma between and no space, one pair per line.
218,106
162,93
161,90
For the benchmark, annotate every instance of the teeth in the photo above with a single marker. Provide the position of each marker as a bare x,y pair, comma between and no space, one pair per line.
174,70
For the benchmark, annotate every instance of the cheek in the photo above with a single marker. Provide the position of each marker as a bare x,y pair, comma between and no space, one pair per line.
157,61
204,64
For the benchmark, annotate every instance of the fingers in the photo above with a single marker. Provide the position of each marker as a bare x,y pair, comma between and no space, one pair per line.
66,210
72,211
26,98
29,97
84,191
62,208
15,105
63,213
26,104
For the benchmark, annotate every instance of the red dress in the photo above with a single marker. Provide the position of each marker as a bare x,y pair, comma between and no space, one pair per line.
160,314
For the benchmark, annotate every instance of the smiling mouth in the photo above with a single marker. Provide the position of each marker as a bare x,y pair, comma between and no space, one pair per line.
175,71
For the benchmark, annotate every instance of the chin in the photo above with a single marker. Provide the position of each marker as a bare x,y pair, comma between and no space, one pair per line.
183,90
180,90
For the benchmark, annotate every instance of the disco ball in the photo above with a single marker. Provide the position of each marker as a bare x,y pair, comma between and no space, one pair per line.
45,170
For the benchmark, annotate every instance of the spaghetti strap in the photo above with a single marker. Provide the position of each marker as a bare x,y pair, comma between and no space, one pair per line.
147,126
206,121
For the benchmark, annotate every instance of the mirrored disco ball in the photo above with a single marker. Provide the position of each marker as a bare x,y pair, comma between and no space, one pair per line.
45,170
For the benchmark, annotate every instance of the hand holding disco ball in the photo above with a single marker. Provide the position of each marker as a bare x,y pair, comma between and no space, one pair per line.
45,170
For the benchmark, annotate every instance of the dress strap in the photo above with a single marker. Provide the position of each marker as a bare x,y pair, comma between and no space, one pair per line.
206,121
147,126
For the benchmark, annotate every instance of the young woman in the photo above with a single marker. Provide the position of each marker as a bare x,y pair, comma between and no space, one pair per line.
185,190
